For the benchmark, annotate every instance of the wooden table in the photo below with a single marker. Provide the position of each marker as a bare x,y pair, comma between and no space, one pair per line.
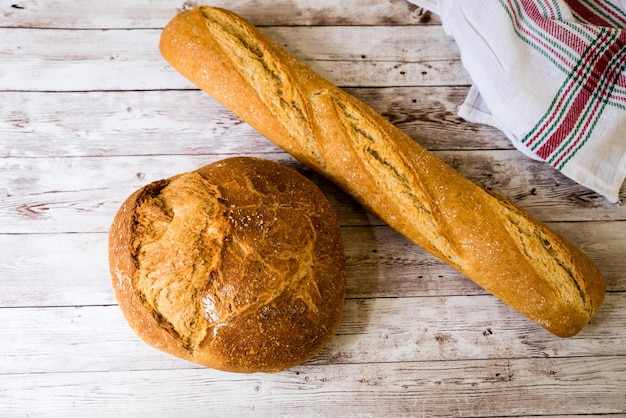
89,112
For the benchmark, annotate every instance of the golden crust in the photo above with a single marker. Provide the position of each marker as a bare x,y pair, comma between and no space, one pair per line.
483,235
238,266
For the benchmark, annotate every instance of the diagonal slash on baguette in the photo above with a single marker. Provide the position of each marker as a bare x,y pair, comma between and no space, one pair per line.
483,235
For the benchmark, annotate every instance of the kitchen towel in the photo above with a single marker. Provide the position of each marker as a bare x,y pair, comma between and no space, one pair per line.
551,75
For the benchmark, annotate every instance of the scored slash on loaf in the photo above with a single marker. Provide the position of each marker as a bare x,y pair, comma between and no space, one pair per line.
483,235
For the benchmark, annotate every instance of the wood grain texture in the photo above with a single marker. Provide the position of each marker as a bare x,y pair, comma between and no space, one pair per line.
82,194
89,112
59,269
100,123
373,330
130,60
118,14
506,387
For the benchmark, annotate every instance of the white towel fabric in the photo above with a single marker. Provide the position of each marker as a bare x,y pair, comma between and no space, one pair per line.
551,75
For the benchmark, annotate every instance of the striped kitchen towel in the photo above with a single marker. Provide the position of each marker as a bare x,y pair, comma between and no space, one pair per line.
551,75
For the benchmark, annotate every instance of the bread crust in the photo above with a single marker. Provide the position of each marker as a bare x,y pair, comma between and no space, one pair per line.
483,235
238,266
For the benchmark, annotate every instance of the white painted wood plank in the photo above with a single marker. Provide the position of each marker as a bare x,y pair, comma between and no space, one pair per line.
112,123
125,14
381,263
50,270
357,43
546,193
39,60
76,194
47,270
380,330
41,270
75,339
44,195
527,387
122,123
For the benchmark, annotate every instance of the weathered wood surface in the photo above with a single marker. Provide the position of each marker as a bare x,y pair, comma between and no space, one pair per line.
374,330
121,14
505,387
100,122
130,59
89,112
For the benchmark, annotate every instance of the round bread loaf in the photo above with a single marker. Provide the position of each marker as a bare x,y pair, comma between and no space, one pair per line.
238,266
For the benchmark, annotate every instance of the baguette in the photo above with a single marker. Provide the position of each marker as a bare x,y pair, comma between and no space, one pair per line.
483,235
